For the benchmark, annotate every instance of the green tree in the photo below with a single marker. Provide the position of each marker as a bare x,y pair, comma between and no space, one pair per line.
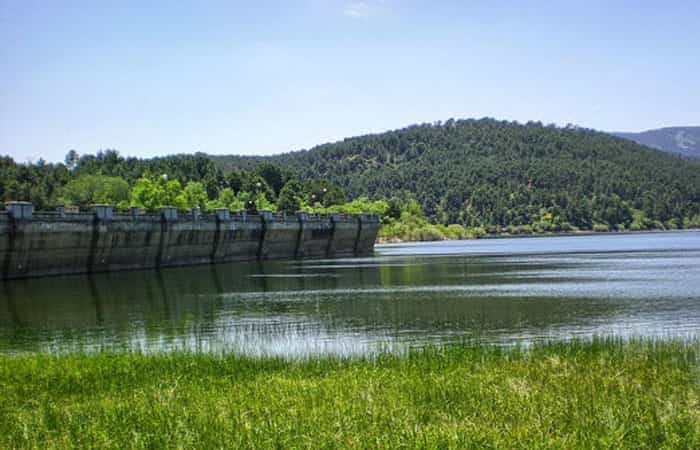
262,203
322,192
152,192
272,175
195,195
394,208
256,184
91,189
234,180
290,197
227,199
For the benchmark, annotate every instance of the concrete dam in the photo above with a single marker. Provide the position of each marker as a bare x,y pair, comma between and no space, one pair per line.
36,244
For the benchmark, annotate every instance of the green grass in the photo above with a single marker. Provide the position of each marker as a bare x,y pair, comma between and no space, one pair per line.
598,394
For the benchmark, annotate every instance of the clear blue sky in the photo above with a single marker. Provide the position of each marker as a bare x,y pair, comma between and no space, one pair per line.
159,77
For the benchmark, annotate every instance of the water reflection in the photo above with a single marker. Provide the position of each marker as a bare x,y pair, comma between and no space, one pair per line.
499,290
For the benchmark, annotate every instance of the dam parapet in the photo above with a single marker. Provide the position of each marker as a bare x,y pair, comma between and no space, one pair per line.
43,243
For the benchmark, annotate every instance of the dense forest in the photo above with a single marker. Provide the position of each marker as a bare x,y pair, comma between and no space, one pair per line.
183,181
500,175
478,176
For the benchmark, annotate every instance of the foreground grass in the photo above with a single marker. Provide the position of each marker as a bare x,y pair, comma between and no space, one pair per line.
600,394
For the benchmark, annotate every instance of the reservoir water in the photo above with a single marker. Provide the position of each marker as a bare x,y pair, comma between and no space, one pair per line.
497,290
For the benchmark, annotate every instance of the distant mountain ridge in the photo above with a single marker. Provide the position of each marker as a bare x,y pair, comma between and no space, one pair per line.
684,141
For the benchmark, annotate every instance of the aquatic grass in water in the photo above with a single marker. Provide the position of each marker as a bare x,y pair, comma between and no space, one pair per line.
505,290
601,393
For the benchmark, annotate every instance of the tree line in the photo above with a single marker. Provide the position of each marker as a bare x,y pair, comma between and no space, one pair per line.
477,176
507,176
182,181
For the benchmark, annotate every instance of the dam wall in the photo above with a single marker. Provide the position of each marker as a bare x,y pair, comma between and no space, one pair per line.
36,244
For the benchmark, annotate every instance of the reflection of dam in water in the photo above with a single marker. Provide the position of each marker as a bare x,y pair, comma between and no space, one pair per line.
345,306
35,244
190,308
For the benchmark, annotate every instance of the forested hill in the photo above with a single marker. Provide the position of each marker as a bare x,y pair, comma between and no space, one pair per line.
484,174
488,172
684,141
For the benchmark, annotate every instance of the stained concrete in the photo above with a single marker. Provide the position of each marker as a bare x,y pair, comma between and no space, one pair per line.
35,244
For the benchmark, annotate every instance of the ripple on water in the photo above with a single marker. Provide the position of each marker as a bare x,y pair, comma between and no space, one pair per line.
499,290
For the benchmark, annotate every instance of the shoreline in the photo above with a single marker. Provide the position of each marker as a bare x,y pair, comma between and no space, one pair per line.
537,235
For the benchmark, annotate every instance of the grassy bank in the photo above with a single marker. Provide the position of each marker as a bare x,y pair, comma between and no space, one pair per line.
601,394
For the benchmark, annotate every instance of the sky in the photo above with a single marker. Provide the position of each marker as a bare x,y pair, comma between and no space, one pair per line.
262,77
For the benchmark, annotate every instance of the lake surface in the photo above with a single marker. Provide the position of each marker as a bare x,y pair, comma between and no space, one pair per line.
499,290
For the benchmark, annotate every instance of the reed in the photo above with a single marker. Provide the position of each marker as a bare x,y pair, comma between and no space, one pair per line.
602,393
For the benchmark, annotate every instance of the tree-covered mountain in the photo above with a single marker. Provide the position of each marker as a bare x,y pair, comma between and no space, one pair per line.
497,173
684,141
486,175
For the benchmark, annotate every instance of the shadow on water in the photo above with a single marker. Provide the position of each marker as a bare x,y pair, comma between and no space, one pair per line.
357,305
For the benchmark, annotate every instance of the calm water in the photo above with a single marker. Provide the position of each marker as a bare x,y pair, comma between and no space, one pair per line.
501,290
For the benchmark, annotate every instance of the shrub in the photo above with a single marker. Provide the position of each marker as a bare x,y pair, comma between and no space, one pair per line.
600,227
